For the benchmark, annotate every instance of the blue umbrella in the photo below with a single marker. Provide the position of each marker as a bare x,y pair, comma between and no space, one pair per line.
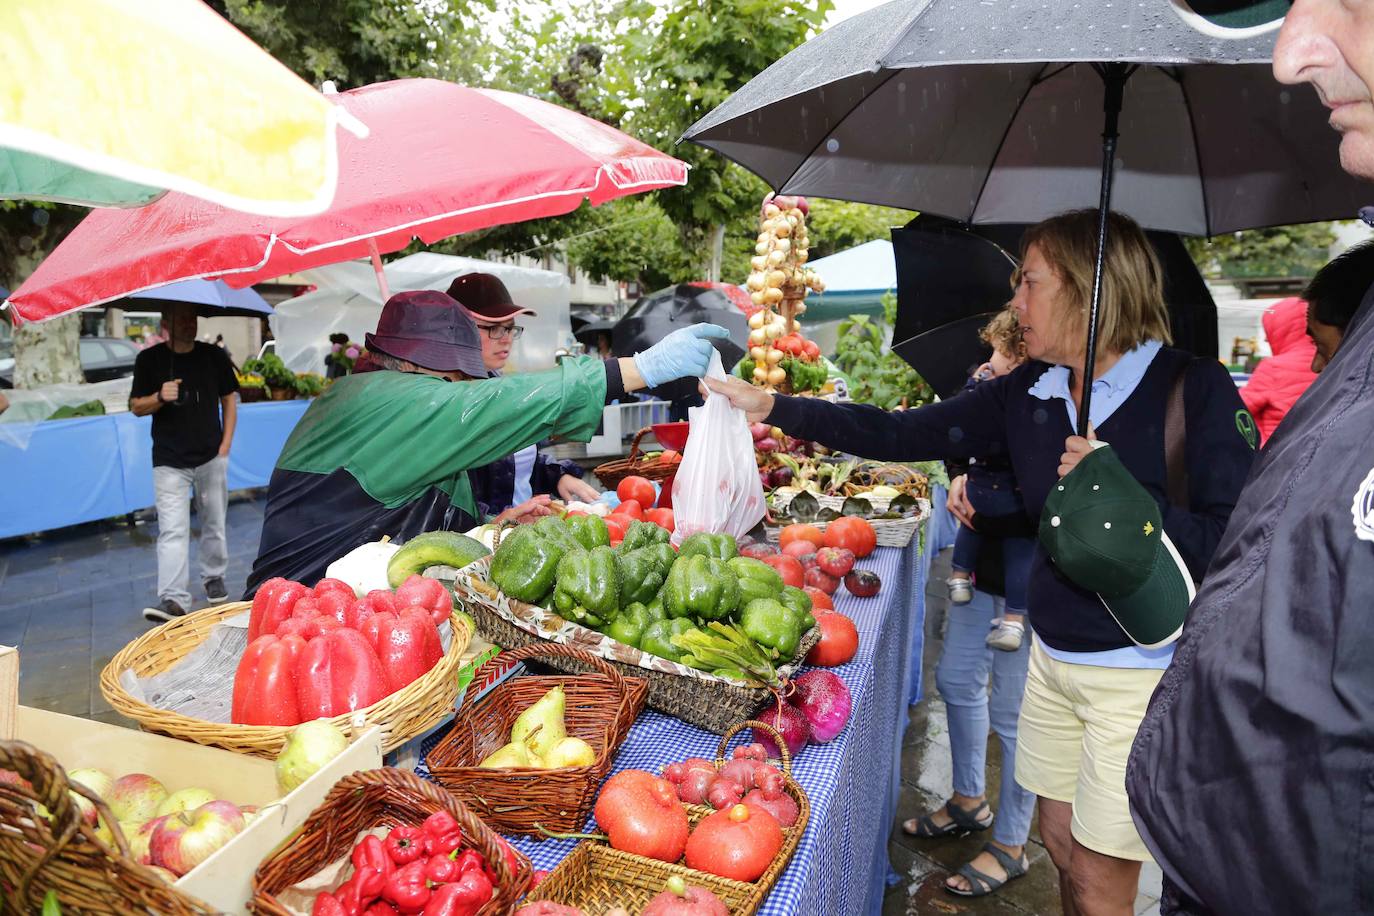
213,298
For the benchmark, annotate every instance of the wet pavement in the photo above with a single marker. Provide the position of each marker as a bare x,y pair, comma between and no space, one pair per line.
72,598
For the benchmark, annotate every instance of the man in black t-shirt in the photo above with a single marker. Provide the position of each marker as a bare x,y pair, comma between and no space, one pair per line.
189,389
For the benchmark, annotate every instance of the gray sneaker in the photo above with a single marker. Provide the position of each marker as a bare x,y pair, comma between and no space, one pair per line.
1006,635
215,590
960,591
163,611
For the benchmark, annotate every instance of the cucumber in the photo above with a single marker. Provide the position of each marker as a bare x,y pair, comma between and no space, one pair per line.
433,548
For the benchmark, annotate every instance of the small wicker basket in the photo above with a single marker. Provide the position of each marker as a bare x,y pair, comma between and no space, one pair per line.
595,875
612,473
408,712
601,707
63,853
380,798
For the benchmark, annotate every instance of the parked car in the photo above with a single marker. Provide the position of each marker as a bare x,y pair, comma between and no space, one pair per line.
102,359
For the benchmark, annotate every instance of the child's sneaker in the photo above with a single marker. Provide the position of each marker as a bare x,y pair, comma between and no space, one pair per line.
960,590
1006,634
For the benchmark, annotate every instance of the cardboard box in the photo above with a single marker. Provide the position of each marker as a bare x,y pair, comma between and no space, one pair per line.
225,880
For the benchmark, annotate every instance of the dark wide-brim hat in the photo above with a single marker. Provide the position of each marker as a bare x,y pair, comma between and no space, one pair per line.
485,296
1232,18
431,330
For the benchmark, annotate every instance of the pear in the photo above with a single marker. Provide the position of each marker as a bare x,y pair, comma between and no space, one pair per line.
541,726
570,752
514,754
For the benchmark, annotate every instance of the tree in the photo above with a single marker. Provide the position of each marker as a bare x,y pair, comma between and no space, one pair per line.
46,352
631,240
1280,251
837,225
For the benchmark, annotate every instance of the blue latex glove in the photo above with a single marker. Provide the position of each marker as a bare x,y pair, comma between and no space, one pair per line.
685,353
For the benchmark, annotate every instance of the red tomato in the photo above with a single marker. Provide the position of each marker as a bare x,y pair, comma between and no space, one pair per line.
616,525
670,457
816,578
737,842
572,512
820,601
802,532
810,350
663,518
787,567
852,533
799,548
839,640
638,489
630,508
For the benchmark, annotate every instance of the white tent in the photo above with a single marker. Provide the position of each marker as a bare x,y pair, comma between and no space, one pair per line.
347,300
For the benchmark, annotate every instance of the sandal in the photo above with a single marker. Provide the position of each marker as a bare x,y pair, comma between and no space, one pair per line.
982,884
961,822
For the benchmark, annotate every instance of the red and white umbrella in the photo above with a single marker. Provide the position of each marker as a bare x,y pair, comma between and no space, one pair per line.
440,159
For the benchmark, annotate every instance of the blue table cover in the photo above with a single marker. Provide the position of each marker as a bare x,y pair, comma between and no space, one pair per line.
841,865
80,470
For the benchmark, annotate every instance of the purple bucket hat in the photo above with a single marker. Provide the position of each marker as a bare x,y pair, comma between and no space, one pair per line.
428,328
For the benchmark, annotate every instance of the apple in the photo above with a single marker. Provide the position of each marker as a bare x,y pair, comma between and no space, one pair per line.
135,797
188,838
98,782
104,834
10,777
835,561
249,812
163,873
184,800
140,837
818,578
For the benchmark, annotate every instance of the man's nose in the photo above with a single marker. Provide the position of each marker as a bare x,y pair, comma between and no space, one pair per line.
1303,47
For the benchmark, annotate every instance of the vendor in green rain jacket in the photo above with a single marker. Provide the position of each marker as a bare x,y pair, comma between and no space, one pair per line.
386,452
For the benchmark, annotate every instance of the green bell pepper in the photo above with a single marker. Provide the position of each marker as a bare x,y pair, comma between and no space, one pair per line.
588,589
719,546
664,555
640,576
771,625
756,579
525,565
643,534
700,587
630,625
799,603
658,638
656,609
589,531
553,528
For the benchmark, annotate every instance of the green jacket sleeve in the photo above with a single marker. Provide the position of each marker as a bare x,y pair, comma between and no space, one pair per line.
400,434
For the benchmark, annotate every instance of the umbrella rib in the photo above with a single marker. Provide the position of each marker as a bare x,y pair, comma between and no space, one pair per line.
1036,80
1197,152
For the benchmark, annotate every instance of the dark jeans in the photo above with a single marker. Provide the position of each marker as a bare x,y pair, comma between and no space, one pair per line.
1017,553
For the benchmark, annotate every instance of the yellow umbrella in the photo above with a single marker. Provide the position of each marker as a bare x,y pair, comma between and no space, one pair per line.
111,102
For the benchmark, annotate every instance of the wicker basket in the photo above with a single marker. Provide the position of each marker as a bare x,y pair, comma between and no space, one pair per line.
613,472
890,532
601,707
408,712
380,798
250,394
694,697
595,875
62,853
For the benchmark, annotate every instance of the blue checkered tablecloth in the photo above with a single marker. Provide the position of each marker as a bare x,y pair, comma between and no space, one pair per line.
841,864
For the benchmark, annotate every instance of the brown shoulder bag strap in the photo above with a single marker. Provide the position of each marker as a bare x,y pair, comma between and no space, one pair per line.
1176,442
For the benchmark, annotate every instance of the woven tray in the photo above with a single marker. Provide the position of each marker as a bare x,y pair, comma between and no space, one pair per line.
612,473
890,532
380,798
64,854
601,707
696,697
408,712
595,876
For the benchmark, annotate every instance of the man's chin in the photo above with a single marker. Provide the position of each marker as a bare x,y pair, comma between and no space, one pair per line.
1357,153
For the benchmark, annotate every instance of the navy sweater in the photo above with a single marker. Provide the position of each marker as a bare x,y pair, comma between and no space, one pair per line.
1000,417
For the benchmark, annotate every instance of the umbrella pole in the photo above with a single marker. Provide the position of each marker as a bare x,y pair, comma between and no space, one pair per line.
1114,78
377,269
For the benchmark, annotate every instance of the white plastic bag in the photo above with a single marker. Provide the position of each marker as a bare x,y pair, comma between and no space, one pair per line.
717,488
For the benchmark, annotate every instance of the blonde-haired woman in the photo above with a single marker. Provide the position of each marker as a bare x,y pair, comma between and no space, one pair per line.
1088,684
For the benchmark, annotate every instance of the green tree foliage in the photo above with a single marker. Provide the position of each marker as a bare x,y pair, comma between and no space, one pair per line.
836,225
631,240
876,374
1281,251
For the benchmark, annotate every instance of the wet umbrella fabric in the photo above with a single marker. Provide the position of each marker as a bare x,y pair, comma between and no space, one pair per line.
658,314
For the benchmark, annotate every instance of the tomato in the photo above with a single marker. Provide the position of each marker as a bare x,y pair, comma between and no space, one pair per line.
817,578
801,532
663,518
799,548
630,508
670,457
820,601
616,525
787,567
839,640
639,489
853,533
810,350
737,842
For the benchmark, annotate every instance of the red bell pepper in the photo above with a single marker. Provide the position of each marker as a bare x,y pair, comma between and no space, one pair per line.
407,645
407,888
272,604
326,904
265,688
430,594
350,893
469,859
306,608
336,586
340,607
441,870
337,673
293,627
381,908
405,845
371,853
382,601
432,645
463,897
442,834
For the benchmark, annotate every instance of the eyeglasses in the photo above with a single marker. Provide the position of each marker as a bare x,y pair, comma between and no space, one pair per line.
502,331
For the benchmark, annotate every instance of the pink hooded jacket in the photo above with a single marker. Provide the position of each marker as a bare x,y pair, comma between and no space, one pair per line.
1282,378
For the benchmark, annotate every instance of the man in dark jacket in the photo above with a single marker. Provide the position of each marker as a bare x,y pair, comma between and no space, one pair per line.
1252,776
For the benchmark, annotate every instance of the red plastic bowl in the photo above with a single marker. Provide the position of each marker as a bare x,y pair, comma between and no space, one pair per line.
671,435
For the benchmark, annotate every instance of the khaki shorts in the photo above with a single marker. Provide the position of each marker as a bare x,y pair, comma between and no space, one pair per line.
1076,728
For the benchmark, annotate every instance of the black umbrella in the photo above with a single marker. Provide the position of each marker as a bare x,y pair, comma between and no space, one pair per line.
657,315
1011,111
952,279
588,333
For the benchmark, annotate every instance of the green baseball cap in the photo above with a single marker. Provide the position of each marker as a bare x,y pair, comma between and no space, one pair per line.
1232,18
1105,533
